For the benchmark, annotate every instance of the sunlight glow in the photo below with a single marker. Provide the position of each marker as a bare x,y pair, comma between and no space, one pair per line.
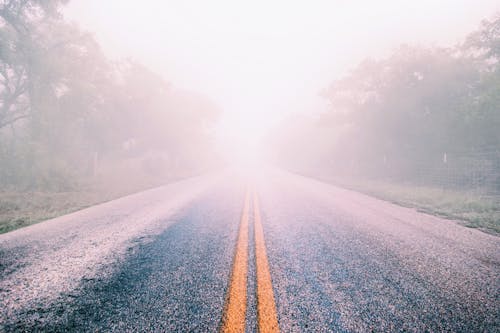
260,61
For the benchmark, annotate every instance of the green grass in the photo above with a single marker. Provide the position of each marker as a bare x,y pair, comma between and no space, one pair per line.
20,208
468,208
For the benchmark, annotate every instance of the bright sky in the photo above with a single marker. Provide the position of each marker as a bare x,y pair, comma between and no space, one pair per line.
262,60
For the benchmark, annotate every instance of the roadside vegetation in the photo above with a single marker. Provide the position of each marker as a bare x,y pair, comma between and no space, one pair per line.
23,208
420,127
468,208
77,128
20,209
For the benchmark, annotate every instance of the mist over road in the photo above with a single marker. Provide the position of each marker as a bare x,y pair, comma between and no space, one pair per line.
163,260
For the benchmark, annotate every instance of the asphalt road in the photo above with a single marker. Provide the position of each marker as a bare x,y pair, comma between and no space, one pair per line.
312,258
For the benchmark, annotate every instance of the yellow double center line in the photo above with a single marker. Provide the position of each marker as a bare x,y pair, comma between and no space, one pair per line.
236,301
234,318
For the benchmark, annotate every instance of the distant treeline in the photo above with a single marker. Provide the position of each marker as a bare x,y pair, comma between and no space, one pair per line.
65,108
410,111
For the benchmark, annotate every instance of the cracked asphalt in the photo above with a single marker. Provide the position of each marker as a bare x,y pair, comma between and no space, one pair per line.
161,261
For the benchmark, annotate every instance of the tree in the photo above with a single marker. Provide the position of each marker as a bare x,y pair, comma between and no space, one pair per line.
405,111
20,55
485,42
64,105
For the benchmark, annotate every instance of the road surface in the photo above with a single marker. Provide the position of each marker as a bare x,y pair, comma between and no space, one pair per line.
272,252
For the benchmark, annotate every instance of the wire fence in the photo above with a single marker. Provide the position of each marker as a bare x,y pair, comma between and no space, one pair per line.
475,171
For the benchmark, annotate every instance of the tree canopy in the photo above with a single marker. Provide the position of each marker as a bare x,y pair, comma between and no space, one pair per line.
63,104
410,108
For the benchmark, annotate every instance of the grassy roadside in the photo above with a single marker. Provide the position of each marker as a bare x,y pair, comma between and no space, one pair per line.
468,208
20,209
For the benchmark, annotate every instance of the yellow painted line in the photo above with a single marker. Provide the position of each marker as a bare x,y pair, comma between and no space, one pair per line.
235,309
266,307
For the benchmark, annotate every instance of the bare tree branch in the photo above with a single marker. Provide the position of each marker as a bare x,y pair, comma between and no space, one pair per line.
13,120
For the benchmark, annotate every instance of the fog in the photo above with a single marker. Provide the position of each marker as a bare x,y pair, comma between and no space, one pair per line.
232,166
167,89
261,61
